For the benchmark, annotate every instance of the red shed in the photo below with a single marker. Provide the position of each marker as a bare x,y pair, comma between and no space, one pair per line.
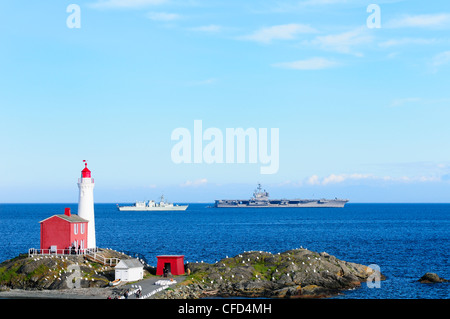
59,233
173,263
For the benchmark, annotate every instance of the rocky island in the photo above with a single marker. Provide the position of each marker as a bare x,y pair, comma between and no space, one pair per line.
53,273
297,273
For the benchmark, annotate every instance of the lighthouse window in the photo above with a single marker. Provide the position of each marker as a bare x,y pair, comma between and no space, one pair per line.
75,229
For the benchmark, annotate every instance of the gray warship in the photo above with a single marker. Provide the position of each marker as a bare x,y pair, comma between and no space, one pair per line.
261,199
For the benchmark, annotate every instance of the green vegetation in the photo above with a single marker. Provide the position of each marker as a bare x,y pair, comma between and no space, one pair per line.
263,271
197,276
8,274
40,271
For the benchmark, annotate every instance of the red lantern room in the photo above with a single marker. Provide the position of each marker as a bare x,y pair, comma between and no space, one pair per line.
85,173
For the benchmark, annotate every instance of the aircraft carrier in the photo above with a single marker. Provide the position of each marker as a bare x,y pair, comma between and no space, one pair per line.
261,199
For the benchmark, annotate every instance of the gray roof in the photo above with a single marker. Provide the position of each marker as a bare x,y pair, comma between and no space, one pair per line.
129,263
72,218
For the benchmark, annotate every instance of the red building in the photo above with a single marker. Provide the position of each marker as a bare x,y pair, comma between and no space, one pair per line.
63,233
174,264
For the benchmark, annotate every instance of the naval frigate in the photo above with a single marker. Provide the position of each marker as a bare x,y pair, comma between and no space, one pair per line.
261,199
152,206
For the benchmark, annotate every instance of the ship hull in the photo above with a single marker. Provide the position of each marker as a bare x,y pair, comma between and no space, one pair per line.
334,203
151,209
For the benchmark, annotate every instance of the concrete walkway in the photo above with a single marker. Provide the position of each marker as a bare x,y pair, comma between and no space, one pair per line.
148,286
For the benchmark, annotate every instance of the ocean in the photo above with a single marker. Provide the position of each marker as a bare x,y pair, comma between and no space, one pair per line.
404,240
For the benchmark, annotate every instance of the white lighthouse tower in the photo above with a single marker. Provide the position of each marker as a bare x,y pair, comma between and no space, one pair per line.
86,203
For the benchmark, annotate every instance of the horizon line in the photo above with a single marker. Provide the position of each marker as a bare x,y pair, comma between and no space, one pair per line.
115,203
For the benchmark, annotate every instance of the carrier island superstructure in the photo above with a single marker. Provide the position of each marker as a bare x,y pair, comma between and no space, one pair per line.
261,199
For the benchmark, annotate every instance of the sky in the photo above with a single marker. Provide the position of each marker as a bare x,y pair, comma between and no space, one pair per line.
361,101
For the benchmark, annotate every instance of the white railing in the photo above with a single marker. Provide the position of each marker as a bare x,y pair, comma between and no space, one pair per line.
88,252
55,252
99,258
34,251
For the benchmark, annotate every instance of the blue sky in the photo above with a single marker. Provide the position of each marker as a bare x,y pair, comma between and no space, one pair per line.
362,112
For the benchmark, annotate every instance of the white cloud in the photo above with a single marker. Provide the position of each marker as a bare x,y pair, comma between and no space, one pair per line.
198,182
340,178
344,42
438,20
109,4
440,60
203,82
333,178
407,41
336,178
293,6
278,32
401,102
208,28
309,64
322,2
418,101
313,180
162,16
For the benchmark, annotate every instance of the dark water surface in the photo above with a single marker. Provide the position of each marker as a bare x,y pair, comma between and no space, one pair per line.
404,240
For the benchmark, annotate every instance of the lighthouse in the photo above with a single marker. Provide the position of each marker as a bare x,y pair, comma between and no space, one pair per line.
86,203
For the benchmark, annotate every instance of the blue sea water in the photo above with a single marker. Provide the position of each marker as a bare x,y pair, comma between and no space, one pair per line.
404,240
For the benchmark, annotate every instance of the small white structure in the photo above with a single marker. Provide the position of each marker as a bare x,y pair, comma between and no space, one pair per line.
129,270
